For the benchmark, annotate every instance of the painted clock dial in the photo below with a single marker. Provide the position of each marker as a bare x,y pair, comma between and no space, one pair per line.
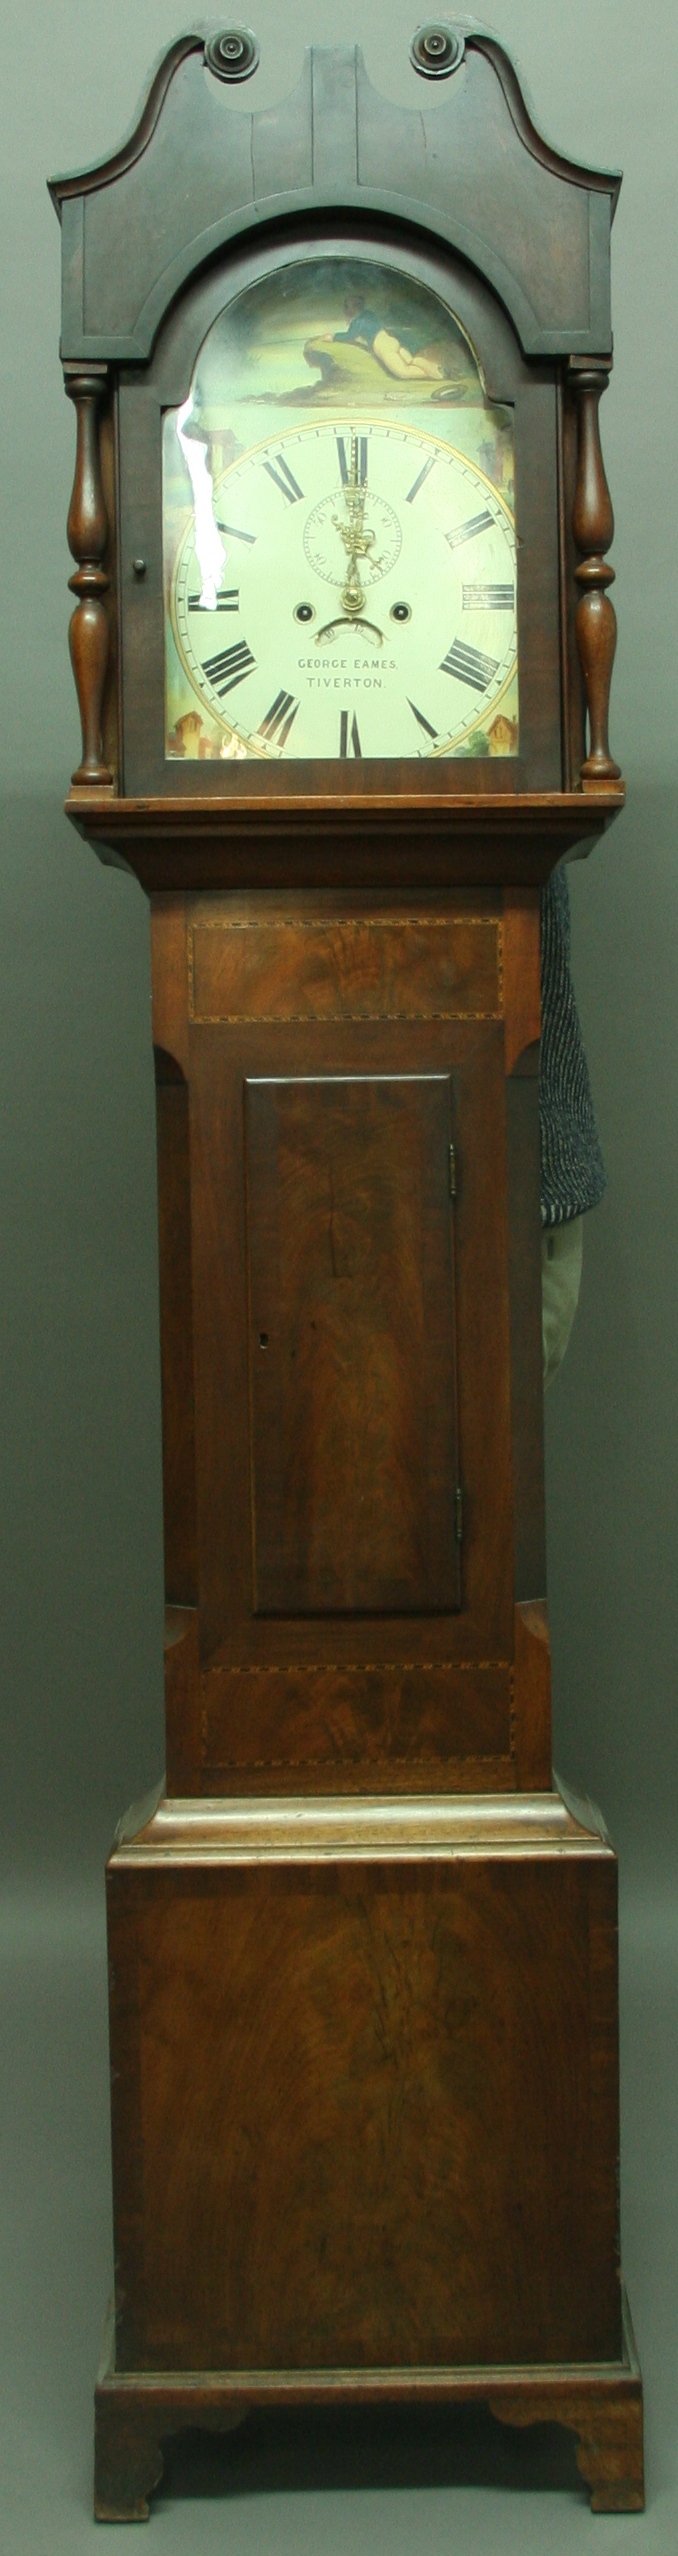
340,553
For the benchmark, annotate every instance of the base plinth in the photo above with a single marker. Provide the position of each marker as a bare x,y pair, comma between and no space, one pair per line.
137,2410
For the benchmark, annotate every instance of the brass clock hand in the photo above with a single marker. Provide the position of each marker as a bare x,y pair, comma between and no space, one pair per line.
357,544
357,541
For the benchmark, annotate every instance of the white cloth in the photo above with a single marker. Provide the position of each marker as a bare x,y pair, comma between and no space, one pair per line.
561,1264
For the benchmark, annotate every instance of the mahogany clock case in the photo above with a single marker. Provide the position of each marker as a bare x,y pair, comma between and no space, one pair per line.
363,1990
531,391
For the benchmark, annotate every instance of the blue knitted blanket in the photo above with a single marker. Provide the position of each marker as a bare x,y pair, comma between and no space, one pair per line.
572,1169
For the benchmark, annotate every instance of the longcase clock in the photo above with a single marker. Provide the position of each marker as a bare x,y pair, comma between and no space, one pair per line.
343,643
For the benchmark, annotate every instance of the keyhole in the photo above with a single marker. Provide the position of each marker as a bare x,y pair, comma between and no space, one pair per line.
263,1339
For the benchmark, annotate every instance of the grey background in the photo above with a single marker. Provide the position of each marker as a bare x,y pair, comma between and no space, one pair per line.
81,1524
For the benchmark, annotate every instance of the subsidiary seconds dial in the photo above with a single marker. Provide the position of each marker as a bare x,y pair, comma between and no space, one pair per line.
354,594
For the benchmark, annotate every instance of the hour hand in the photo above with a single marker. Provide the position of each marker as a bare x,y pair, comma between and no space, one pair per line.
352,598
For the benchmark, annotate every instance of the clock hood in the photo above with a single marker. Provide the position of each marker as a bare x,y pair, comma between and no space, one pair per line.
535,225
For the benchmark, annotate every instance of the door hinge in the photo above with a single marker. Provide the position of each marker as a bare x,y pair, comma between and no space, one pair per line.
453,1172
458,1514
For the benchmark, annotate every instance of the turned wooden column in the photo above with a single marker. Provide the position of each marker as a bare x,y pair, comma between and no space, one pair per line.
593,528
87,540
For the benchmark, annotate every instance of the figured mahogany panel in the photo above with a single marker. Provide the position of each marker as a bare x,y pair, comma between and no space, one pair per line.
354,1466
379,2107
399,1722
470,1055
372,967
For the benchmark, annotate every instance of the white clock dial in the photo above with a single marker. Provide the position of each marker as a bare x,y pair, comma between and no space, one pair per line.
365,604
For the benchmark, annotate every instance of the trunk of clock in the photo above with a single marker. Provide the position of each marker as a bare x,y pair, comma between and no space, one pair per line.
363,1959
350,1292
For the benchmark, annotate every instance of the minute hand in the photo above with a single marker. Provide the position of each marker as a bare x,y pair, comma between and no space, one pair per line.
357,541
357,544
